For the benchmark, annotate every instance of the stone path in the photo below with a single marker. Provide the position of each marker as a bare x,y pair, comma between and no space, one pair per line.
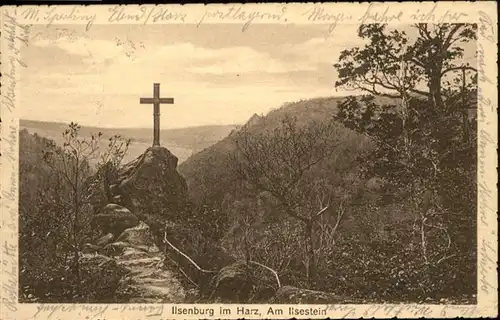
147,280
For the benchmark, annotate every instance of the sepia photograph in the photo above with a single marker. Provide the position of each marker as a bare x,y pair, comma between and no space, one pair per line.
280,165
267,163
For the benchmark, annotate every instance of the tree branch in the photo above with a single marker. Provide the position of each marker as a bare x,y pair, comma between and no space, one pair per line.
448,41
424,93
445,258
457,68
375,92
320,212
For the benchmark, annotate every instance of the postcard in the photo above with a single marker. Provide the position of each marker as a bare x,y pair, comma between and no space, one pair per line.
257,161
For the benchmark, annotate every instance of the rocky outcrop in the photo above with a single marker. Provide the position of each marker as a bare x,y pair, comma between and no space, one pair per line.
139,237
115,219
147,187
151,184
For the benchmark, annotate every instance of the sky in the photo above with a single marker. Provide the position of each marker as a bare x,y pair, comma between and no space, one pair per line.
217,74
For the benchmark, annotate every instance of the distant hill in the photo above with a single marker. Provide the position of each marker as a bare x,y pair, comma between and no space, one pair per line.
207,172
182,142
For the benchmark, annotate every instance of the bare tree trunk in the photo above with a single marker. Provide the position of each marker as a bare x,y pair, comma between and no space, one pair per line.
247,253
464,109
435,89
76,245
107,177
311,272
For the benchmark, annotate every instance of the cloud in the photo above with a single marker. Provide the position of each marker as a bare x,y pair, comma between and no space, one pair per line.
185,66
324,50
203,80
94,51
60,83
240,60
201,60
115,60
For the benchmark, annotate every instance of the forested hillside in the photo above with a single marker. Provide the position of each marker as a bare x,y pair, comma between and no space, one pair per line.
366,239
369,196
208,173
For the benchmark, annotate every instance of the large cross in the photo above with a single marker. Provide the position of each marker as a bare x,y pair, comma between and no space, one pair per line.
156,100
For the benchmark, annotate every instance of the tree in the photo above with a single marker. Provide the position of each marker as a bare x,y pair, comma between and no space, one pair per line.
423,133
435,53
72,167
280,162
110,160
391,66
43,223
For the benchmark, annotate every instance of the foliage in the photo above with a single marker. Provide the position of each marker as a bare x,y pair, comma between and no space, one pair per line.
282,162
391,65
55,214
393,270
426,138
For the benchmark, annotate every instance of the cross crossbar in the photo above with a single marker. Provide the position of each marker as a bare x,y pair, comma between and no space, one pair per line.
152,100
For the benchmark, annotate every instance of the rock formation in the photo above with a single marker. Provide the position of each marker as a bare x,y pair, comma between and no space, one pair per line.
114,219
232,284
146,187
151,185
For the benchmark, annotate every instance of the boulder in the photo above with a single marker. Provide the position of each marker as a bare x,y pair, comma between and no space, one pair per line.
151,184
114,249
139,236
115,219
98,186
90,248
130,253
293,295
232,284
104,240
113,208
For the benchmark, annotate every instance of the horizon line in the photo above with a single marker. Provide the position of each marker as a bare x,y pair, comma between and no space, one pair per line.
134,128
